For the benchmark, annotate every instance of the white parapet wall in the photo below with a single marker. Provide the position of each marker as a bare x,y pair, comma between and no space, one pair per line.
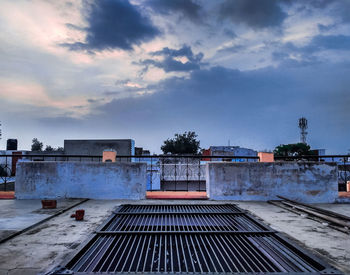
309,182
94,180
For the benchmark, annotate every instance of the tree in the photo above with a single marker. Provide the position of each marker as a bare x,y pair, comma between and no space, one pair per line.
292,150
37,145
49,148
185,143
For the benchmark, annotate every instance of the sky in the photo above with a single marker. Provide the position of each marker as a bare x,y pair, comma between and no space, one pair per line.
234,71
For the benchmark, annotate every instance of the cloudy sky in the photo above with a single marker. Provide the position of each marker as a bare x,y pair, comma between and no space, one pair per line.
238,70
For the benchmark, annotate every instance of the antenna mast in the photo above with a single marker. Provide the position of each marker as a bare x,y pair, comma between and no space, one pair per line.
303,127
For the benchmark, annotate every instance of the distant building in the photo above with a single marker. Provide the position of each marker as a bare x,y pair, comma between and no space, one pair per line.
139,151
95,147
231,151
318,152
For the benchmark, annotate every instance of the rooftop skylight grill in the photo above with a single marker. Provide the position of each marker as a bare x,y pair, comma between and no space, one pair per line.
190,238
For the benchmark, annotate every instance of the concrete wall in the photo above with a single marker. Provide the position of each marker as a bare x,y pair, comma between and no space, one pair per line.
230,151
305,182
39,180
96,146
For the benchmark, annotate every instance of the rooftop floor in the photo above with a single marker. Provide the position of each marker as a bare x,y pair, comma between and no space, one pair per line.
48,244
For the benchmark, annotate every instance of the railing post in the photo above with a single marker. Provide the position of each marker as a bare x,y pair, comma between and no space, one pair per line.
5,182
345,174
151,176
199,174
187,172
162,176
175,174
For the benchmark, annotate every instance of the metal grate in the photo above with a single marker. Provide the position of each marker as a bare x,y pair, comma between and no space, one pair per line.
179,208
189,238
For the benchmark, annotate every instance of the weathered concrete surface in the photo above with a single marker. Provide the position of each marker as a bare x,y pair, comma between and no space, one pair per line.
47,245
305,182
38,180
17,215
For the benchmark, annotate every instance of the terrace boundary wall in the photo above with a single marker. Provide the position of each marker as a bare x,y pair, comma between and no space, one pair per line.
93,180
308,182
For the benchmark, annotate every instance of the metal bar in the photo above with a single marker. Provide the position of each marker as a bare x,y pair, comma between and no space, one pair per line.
327,212
178,213
185,232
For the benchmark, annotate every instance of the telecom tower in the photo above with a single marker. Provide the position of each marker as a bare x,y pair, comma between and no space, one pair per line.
303,127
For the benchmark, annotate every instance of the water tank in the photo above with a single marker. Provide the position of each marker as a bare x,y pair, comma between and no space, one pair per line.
11,144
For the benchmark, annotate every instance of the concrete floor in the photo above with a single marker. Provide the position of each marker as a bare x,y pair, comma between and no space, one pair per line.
48,244
16,215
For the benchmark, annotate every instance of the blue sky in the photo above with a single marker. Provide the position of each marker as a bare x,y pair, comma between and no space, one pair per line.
238,70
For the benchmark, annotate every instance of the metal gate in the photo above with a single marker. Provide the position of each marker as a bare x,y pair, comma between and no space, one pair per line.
189,239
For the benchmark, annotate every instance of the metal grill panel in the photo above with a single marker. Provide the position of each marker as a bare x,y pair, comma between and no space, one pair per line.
181,222
190,238
184,208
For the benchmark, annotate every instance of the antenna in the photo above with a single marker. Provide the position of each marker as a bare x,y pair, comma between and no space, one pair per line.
0,130
303,127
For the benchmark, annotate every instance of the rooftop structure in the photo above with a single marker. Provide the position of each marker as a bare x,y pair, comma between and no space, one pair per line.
95,147
214,234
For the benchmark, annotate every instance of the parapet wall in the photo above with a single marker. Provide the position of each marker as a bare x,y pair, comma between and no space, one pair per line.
39,180
306,182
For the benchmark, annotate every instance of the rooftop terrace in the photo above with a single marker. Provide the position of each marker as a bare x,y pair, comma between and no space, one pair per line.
48,244
35,240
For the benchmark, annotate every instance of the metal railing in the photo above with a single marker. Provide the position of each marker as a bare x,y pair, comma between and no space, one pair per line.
180,172
164,172
343,162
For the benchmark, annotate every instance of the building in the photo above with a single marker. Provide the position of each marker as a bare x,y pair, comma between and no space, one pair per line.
231,151
95,147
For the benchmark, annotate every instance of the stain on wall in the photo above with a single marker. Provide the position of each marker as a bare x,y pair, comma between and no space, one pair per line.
310,182
39,180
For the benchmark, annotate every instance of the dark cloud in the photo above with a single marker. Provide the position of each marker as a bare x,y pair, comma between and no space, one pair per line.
249,107
93,100
185,51
256,14
187,8
330,42
344,11
340,9
229,33
324,28
307,55
114,24
170,64
287,53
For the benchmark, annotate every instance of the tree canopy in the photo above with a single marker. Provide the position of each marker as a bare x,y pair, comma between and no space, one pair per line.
182,144
37,145
292,150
